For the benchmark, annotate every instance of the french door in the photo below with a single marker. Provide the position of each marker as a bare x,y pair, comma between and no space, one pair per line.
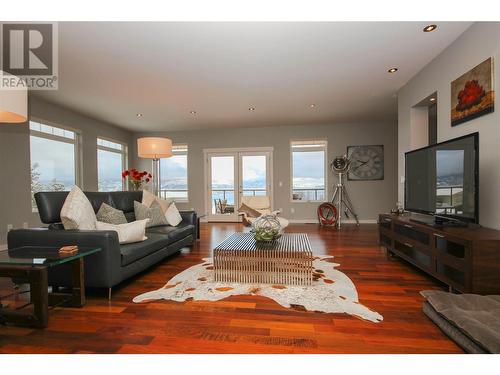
233,173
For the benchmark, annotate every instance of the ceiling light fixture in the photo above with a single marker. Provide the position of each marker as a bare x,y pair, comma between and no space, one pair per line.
432,99
429,28
139,114
392,70
312,105
251,109
192,112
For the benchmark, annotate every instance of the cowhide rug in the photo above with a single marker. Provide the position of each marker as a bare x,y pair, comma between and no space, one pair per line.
331,291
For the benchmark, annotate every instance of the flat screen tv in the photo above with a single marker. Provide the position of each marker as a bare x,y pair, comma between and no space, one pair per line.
443,180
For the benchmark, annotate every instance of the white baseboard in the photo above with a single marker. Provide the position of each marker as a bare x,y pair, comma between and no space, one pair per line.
3,247
302,221
312,221
365,221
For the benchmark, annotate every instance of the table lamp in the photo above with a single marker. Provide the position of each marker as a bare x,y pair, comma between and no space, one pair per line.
154,148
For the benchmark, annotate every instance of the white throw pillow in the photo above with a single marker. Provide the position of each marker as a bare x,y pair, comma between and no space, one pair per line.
77,212
127,233
148,198
173,216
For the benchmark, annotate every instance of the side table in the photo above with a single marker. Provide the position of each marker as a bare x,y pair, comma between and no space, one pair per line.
31,263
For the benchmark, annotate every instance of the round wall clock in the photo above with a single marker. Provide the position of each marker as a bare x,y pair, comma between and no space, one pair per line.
367,162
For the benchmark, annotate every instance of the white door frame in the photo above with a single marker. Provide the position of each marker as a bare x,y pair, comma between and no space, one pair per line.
237,153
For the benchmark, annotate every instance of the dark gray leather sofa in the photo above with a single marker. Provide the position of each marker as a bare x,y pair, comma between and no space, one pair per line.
115,262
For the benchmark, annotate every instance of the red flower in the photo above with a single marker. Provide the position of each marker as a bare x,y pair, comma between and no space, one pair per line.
136,176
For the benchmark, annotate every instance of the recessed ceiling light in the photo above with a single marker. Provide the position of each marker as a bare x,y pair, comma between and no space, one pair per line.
139,115
192,112
312,105
251,109
392,70
432,99
429,28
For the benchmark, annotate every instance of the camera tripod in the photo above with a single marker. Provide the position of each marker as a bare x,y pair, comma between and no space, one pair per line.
342,201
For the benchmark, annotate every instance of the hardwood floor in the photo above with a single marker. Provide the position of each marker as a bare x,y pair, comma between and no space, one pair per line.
248,324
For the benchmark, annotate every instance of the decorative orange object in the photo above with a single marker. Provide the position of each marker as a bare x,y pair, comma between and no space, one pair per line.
327,214
68,250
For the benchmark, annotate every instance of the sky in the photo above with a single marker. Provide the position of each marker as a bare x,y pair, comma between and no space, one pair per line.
308,169
174,168
109,165
54,159
57,160
449,162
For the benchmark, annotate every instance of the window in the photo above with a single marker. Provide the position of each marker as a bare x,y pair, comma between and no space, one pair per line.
111,162
54,158
174,175
308,170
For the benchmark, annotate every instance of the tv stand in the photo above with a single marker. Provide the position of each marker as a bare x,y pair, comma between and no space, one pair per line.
467,259
422,219
437,221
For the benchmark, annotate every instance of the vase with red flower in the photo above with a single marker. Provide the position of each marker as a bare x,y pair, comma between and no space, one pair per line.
136,178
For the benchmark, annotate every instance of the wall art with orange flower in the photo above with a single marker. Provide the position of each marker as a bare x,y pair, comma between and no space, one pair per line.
472,94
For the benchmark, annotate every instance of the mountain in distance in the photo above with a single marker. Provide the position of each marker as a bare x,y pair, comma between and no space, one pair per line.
456,179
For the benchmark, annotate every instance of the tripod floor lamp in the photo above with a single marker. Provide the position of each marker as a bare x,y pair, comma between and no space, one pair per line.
154,148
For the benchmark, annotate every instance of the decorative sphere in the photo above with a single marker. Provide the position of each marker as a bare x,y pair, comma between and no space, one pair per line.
266,228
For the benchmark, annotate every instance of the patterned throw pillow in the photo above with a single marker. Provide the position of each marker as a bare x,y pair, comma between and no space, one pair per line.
154,213
110,215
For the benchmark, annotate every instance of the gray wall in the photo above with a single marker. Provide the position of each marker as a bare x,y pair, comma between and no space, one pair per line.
15,200
369,197
476,44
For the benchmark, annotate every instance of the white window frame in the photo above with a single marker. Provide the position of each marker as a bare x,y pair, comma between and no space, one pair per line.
76,142
178,149
321,148
123,152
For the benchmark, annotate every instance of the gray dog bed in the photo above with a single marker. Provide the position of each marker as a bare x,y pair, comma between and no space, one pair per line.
472,321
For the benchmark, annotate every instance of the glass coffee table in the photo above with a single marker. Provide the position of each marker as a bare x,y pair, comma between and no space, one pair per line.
31,263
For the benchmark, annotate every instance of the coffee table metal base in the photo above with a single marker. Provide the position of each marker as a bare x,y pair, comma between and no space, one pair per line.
285,261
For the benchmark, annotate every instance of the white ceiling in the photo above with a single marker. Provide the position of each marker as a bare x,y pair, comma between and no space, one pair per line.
111,71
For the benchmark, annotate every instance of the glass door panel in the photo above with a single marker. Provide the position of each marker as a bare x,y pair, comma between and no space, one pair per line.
222,187
254,175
